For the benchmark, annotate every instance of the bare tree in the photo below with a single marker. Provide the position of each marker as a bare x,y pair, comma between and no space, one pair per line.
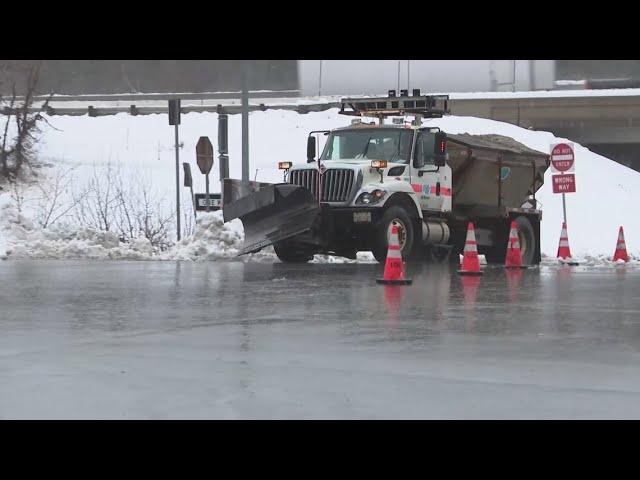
21,126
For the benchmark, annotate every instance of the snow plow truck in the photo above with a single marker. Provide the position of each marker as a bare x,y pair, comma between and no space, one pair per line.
372,173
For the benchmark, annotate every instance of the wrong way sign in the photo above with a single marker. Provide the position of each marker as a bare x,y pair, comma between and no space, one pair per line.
564,183
563,168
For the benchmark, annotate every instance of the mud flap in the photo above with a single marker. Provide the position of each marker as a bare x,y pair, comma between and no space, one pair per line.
269,212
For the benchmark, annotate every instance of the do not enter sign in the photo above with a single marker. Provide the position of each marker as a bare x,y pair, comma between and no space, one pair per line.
562,158
563,167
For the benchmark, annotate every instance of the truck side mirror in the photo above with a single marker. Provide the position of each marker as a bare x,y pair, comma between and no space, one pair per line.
440,149
311,149
419,160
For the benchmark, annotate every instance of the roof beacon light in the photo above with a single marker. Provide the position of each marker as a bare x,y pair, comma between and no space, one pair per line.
424,106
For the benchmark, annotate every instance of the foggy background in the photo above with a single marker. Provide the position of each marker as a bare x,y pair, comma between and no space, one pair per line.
311,77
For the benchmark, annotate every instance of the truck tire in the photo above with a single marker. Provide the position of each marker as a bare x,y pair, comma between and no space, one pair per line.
289,253
527,240
406,234
526,237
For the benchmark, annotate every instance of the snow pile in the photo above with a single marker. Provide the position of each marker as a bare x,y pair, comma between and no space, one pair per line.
20,239
3,230
361,257
213,239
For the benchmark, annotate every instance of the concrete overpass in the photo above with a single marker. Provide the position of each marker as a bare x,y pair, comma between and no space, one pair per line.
605,121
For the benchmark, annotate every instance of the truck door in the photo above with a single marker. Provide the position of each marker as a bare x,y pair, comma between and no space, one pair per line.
431,183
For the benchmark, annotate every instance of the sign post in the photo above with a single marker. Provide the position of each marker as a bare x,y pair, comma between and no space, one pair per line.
188,182
563,171
204,157
174,119
223,147
245,122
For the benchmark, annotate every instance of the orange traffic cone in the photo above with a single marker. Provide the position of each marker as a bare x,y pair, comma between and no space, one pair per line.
393,266
621,248
470,263
513,258
564,253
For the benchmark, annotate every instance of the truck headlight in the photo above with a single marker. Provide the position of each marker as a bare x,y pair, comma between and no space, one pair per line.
366,198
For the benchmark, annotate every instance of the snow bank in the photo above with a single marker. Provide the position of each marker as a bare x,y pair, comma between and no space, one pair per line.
212,240
20,239
3,231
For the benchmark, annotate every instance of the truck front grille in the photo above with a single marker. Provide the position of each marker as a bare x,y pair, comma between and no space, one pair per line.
336,183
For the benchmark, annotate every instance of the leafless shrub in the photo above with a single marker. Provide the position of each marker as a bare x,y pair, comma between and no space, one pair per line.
188,222
18,194
56,198
131,208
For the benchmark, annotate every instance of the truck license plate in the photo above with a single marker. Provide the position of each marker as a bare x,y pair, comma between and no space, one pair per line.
361,217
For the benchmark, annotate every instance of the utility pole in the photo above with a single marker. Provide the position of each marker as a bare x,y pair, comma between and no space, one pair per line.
177,183
408,75
245,122
174,119
532,75
514,75
320,80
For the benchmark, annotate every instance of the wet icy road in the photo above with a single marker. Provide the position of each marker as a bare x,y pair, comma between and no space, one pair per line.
235,340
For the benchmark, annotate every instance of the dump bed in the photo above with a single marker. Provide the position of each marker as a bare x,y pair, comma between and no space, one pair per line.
493,173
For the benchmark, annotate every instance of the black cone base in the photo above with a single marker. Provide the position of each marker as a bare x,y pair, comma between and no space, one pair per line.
468,272
516,267
405,281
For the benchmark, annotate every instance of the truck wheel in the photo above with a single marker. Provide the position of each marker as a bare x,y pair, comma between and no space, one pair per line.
383,231
527,239
289,253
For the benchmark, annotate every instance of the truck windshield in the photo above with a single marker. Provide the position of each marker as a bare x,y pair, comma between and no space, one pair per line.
392,145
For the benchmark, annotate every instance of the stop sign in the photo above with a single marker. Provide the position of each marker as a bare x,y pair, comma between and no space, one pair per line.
562,157
204,155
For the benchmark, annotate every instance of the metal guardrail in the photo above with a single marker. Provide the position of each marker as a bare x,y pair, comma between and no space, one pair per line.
164,109
127,97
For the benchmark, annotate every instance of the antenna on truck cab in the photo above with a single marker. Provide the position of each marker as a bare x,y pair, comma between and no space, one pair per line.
420,106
